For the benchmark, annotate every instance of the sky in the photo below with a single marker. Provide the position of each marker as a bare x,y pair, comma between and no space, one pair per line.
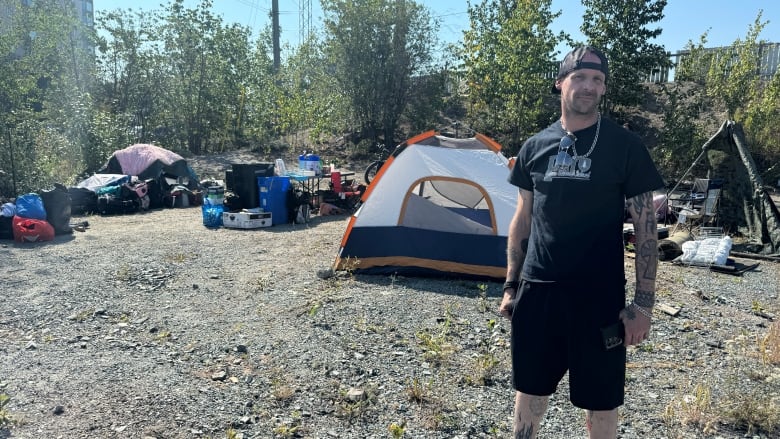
685,20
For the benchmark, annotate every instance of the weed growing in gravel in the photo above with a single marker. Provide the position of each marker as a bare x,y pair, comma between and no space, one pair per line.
752,411
482,303
664,292
694,409
289,429
163,335
5,416
281,391
123,273
436,347
397,430
770,345
362,325
484,368
485,365
82,316
350,265
354,408
261,284
417,391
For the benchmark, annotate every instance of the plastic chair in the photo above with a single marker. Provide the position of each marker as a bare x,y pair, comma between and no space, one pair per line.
349,195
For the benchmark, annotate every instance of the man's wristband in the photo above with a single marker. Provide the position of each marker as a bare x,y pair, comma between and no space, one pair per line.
513,284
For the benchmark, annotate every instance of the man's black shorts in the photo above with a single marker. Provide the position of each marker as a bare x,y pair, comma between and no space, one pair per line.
556,327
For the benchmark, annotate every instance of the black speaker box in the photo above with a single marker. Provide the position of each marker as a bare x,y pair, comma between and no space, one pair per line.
244,182
229,179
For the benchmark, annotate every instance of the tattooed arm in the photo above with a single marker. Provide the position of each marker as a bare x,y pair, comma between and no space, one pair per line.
637,317
517,246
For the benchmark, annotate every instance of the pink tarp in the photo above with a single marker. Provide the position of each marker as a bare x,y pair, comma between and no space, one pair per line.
135,159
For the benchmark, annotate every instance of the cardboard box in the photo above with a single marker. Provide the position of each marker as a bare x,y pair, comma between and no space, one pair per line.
246,220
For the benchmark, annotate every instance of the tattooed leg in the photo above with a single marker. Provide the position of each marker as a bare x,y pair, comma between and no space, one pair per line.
529,410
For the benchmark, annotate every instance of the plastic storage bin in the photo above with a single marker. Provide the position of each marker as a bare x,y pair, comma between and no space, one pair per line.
273,197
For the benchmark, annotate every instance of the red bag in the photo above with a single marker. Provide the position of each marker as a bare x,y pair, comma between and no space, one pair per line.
31,230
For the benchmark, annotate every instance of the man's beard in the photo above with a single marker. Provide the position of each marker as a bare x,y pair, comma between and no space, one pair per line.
579,108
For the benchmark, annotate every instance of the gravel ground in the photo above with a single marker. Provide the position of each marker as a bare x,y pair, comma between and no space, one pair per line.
151,325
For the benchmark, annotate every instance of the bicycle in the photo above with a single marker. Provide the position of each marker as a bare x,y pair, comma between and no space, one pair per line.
372,169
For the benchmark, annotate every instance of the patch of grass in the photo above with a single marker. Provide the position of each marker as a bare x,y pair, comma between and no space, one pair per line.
752,411
769,346
693,408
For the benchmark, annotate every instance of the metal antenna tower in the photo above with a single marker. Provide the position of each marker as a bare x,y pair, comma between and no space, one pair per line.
304,21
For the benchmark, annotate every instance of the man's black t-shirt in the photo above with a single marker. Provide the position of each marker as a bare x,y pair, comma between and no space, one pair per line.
579,203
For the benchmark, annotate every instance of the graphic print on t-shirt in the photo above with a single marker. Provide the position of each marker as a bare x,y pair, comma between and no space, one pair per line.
565,166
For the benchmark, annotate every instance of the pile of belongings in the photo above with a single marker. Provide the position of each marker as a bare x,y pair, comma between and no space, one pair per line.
138,178
112,194
36,217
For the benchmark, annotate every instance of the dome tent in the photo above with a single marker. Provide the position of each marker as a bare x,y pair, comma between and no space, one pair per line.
438,207
150,161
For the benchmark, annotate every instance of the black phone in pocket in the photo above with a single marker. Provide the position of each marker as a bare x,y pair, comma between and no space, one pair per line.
612,335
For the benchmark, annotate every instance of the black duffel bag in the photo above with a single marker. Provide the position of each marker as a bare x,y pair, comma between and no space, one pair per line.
56,202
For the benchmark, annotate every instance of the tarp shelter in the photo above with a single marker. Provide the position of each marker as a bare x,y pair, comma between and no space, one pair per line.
744,204
438,207
150,161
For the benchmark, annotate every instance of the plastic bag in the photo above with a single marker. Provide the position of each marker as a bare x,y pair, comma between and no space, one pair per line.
30,206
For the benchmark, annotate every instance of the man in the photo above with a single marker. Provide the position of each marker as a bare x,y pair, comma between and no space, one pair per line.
565,289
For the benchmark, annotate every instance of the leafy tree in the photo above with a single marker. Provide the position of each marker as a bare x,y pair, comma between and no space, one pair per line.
621,30
507,57
205,61
732,77
43,100
694,63
130,80
376,47
307,98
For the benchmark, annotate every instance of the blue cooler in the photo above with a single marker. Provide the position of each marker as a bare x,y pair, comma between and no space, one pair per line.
273,197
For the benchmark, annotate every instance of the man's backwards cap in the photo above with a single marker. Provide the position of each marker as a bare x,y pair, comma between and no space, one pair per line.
573,61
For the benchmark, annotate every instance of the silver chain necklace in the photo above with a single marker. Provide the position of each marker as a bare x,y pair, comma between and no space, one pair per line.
595,139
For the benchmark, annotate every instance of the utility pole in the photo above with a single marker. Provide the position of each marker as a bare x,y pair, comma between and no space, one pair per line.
275,33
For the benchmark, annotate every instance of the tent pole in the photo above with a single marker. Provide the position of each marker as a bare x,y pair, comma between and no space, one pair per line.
695,161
